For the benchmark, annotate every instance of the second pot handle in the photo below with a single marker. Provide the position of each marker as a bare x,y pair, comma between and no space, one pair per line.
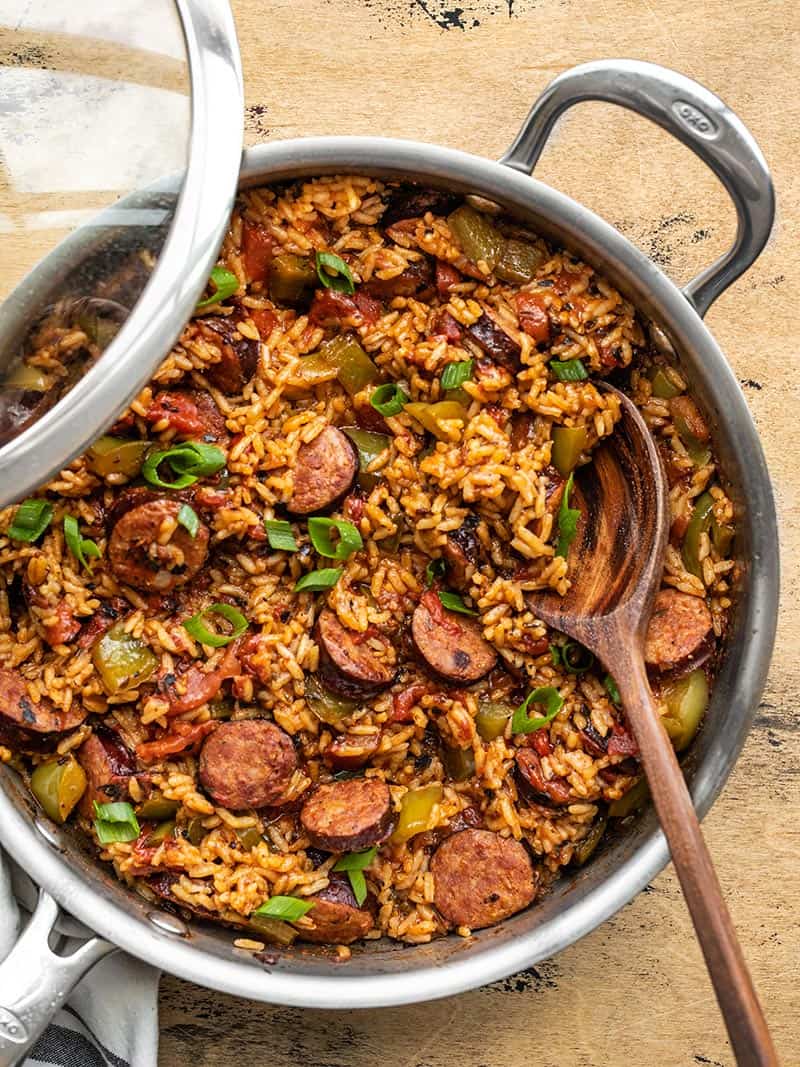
35,981
692,114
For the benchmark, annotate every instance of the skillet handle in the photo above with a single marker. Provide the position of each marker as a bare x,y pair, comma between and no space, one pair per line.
35,982
696,117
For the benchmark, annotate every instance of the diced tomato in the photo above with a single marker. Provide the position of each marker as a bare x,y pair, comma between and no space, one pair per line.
264,319
180,412
123,425
257,246
540,740
403,703
103,619
206,496
446,277
196,686
183,735
440,617
444,325
533,318
328,307
368,306
354,507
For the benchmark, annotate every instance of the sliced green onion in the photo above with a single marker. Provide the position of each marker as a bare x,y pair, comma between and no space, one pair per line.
115,822
319,530
280,535
190,461
569,370
434,570
289,908
453,602
547,695
576,659
78,546
455,374
389,399
188,519
201,633
224,283
314,581
555,655
610,687
334,273
354,863
567,521
31,520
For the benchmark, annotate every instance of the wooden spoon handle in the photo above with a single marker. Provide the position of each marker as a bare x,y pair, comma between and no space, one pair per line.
747,1028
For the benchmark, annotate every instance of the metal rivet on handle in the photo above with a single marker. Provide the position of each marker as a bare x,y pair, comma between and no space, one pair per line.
168,924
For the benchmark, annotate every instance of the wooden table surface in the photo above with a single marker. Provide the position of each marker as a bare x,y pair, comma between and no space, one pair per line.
463,73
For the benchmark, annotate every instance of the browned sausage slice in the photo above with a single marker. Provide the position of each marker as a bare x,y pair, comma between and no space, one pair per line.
247,764
450,644
353,664
481,878
552,792
349,815
679,632
109,766
24,721
350,751
495,342
139,558
325,469
238,354
338,920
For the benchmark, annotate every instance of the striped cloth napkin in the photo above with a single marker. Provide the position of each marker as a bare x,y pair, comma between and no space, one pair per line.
111,1019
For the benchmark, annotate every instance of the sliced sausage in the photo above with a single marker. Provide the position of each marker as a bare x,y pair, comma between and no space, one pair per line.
338,920
679,632
353,664
451,644
138,557
481,878
238,354
109,767
25,722
417,276
349,815
533,317
461,550
325,469
495,342
411,202
192,414
684,408
552,792
350,751
247,764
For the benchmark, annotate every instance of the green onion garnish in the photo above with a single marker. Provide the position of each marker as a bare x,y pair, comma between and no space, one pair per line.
334,273
115,822
567,521
324,578
354,863
453,602
190,461
78,546
319,530
575,658
201,633
547,695
610,687
224,284
288,908
434,570
555,655
188,519
455,374
569,370
389,399
280,535
31,520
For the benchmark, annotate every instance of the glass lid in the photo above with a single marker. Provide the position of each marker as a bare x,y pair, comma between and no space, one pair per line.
121,127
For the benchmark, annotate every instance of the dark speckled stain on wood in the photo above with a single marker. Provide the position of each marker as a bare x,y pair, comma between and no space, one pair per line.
446,14
255,119
544,975
750,383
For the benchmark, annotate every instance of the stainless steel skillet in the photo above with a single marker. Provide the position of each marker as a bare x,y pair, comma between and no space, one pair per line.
32,980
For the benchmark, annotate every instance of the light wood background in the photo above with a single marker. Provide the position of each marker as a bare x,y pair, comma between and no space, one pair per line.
463,73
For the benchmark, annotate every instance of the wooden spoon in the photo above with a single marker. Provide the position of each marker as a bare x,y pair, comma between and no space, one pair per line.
615,566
